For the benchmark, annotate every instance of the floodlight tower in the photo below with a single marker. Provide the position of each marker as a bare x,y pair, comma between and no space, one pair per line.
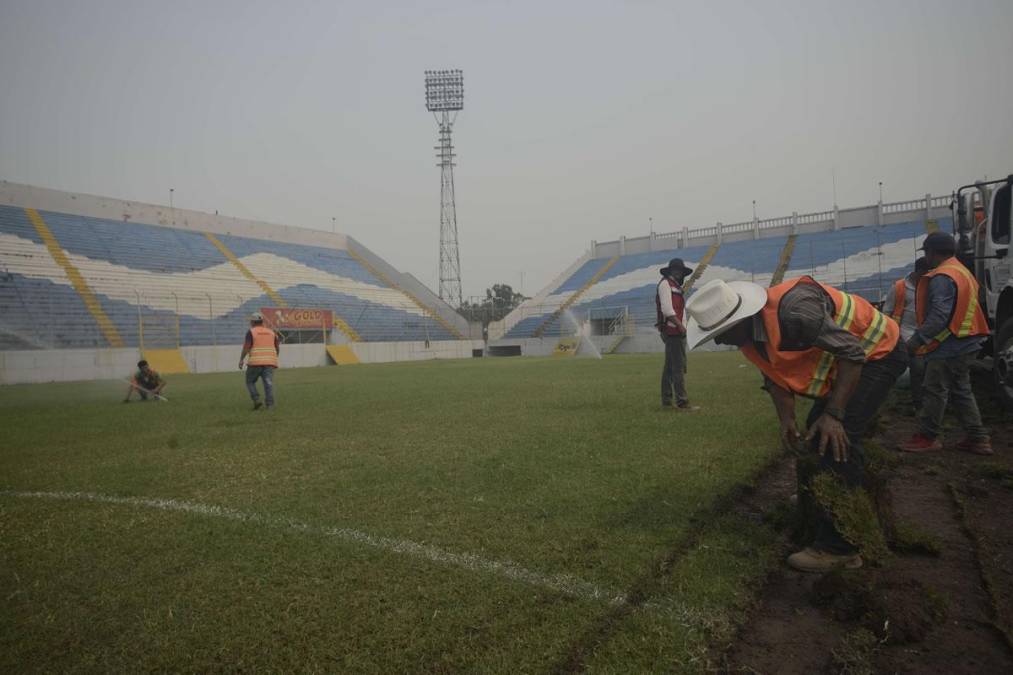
445,95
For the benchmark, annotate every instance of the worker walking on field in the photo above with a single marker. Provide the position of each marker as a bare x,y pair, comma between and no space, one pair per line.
951,328
811,340
899,304
670,304
146,382
262,346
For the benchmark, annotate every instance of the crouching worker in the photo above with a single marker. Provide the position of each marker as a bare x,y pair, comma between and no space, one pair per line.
146,382
261,345
810,340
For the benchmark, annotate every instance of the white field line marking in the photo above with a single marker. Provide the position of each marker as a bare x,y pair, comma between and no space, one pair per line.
561,583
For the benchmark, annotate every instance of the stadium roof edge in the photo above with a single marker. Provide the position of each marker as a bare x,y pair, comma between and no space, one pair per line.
112,208
925,208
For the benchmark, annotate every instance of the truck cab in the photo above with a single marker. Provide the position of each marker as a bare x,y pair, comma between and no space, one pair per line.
982,218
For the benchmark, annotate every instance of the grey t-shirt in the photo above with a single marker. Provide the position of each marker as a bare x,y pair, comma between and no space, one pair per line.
806,318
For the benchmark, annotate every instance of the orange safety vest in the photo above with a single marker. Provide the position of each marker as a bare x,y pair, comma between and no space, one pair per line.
263,353
899,299
811,372
967,318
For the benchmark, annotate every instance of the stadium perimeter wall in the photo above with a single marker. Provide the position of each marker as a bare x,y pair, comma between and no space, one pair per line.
65,365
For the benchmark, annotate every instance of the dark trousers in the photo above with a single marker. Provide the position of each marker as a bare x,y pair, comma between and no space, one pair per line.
874,386
673,375
265,373
948,381
916,366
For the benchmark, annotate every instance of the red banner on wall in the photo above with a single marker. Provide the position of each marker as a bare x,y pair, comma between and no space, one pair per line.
295,318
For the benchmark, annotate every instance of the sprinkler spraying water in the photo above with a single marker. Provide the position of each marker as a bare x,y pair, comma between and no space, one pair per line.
582,332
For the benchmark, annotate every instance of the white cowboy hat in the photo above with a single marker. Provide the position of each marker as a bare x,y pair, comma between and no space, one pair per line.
718,305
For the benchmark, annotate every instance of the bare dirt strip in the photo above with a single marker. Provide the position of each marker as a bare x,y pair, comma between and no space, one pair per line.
942,602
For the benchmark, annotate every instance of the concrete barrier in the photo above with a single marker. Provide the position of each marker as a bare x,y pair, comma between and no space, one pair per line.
67,365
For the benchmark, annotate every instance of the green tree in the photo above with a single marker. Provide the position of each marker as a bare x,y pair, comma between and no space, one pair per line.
499,301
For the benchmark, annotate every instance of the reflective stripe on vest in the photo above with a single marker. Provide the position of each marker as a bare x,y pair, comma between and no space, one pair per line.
810,372
899,300
967,318
263,353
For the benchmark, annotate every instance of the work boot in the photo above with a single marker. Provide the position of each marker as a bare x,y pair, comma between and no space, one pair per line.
686,407
811,560
977,446
920,443
257,405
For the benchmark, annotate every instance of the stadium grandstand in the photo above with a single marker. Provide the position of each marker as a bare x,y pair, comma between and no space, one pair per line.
87,283
609,291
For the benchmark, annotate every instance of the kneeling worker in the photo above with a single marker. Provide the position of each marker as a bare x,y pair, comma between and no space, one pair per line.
261,344
146,382
816,341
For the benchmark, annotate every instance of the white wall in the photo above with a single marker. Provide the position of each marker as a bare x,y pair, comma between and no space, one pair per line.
56,365
385,352
65,365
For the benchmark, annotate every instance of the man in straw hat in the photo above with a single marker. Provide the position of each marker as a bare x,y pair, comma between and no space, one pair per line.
670,304
811,340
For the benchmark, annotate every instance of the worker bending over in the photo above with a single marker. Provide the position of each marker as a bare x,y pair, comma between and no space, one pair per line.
811,340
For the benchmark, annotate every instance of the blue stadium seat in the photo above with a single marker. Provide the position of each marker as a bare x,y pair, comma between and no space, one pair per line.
863,260
144,276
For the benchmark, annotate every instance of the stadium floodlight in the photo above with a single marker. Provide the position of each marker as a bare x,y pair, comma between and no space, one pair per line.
445,95
444,90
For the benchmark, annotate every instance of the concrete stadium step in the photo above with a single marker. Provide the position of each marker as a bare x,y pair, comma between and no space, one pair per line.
785,260
701,266
80,285
166,361
341,355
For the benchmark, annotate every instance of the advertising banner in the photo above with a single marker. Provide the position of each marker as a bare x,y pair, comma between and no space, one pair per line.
296,318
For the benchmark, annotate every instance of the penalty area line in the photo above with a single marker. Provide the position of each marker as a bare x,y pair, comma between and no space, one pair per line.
561,583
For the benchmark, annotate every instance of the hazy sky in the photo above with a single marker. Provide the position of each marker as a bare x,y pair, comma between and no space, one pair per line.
582,119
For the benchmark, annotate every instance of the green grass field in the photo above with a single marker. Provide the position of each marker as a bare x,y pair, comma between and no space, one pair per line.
489,515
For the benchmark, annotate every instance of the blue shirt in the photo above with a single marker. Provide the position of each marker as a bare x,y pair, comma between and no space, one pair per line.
942,298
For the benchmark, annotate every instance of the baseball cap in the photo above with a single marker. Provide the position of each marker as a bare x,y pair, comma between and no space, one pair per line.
940,242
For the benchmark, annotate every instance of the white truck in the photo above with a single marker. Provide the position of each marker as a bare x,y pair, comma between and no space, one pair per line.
982,220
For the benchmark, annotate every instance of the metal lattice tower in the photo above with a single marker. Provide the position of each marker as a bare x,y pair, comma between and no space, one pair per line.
445,95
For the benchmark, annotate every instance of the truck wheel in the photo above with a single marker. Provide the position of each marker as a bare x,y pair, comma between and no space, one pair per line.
1002,363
